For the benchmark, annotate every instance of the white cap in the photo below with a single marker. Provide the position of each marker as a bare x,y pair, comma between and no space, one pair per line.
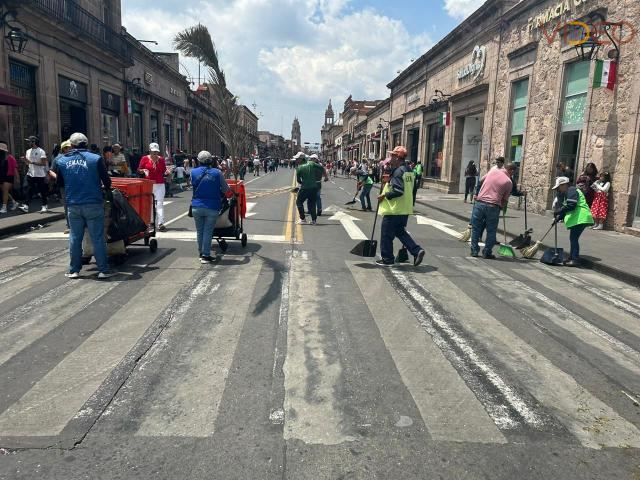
154,147
314,156
560,181
204,156
78,138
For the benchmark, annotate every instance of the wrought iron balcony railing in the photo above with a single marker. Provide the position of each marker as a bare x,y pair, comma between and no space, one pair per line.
73,16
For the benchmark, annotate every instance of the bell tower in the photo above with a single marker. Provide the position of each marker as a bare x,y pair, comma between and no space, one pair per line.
329,117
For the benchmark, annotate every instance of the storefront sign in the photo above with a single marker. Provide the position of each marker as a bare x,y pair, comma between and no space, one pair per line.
174,91
110,102
72,89
553,12
414,97
476,68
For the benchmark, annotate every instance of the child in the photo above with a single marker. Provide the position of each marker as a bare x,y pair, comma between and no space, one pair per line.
180,179
600,205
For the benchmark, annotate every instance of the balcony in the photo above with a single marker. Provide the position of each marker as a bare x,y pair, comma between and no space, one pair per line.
78,20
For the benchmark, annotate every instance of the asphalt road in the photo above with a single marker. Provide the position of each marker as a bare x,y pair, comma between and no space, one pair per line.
292,358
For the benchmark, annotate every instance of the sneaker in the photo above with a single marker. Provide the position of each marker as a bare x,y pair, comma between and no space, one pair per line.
24,208
44,209
488,256
13,206
572,263
72,275
162,228
301,222
598,227
103,275
313,222
204,259
383,263
66,231
474,254
319,214
3,209
417,260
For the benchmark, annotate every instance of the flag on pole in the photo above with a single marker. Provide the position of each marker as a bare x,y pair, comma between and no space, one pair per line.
605,74
444,119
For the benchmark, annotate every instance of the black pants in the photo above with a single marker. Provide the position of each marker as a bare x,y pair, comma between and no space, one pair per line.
309,195
416,185
38,185
469,187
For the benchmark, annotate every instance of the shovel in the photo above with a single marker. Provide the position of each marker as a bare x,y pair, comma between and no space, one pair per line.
555,255
368,248
524,239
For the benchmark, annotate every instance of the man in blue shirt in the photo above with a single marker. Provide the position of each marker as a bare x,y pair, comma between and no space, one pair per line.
209,186
83,173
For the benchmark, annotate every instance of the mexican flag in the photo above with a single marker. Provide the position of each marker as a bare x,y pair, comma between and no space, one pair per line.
444,119
605,74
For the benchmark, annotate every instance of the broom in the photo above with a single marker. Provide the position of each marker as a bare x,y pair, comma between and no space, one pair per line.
531,251
505,249
465,235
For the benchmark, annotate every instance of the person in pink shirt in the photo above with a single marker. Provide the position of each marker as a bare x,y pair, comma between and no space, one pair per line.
8,175
491,199
154,168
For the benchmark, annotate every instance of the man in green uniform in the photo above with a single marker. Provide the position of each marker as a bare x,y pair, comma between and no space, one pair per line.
570,207
417,172
395,207
309,174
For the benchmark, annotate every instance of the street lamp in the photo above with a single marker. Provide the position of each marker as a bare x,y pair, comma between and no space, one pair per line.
16,38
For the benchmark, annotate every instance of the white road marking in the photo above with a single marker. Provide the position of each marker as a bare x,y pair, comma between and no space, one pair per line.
52,402
348,222
250,207
450,410
7,249
311,377
167,202
173,220
593,422
443,227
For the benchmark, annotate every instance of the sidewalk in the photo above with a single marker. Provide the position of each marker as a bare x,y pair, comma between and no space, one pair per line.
16,221
611,253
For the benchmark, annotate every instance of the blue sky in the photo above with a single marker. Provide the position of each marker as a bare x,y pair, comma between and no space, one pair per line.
291,56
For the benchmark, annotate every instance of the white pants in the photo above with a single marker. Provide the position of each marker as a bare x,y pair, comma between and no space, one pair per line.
158,192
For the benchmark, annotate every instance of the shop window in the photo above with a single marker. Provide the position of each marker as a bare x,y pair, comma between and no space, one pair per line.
109,129
435,151
520,96
24,120
137,131
395,140
573,110
154,126
180,136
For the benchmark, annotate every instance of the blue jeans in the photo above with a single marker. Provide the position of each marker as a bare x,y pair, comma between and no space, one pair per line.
394,226
484,216
365,198
205,219
574,240
92,217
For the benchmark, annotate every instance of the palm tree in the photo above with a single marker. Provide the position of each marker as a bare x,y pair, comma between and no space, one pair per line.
196,42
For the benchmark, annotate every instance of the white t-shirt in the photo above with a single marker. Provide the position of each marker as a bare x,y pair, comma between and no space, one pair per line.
36,154
256,162
179,172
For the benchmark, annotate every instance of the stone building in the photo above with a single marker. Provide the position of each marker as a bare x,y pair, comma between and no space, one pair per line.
249,122
353,134
377,131
203,132
296,135
69,74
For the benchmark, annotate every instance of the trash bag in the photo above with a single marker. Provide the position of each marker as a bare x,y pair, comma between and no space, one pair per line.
125,221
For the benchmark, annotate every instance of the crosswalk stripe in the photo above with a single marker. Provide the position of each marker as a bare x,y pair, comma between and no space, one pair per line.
311,378
508,407
33,320
59,395
593,422
628,293
527,300
449,409
11,261
606,296
614,311
190,406
28,265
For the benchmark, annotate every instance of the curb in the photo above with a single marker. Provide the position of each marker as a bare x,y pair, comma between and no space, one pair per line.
20,227
618,274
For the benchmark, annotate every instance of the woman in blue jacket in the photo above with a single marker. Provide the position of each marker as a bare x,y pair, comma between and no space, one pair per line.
209,186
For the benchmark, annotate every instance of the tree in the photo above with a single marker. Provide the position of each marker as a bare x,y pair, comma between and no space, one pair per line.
196,42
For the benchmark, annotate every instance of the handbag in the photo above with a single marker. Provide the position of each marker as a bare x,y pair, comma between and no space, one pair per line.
190,212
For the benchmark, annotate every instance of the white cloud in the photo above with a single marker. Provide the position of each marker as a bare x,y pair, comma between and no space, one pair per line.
290,56
462,8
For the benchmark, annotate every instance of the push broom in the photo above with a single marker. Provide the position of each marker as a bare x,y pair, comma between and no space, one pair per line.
505,249
530,252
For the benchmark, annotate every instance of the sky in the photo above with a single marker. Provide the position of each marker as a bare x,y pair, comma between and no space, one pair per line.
289,57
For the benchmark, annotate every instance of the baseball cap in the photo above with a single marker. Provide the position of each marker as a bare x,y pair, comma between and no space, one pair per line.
78,138
31,138
399,151
154,147
560,181
65,144
4,147
204,157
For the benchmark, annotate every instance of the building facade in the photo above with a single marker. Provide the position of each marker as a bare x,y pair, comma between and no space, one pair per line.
70,73
249,123
296,135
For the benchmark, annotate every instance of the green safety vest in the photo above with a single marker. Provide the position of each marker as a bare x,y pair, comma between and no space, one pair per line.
400,205
418,169
581,214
